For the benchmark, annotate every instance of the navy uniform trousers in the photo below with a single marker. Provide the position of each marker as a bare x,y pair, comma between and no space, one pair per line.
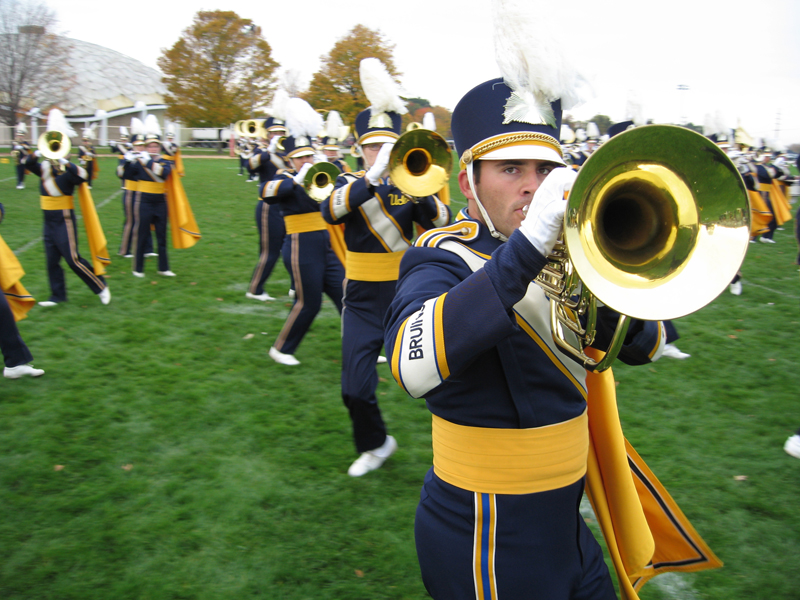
365,306
12,347
20,173
271,231
315,269
149,209
456,532
61,241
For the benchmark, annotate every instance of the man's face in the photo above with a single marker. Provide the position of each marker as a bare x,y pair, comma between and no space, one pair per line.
331,153
299,161
138,147
370,153
505,187
154,148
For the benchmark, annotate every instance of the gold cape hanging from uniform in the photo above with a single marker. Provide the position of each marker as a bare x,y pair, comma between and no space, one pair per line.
760,214
780,206
185,231
94,231
11,273
645,531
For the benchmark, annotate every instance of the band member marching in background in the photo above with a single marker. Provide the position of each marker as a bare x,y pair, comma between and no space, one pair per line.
308,252
378,221
335,132
87,155
21,149
59,178
265,161
128,174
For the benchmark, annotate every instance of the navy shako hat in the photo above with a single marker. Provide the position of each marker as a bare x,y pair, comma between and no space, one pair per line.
482,131
330,143
617,128
273,125
295,147
378,129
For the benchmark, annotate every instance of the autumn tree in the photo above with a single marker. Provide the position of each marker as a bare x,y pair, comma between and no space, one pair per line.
337,85
32,71
220,71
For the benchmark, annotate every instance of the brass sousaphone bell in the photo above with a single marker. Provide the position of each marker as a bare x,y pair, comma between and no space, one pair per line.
420,163
657,224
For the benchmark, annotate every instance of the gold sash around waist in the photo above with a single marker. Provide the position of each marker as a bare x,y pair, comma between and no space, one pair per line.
304,223
56,202
370,266
511,461
151,187
130,185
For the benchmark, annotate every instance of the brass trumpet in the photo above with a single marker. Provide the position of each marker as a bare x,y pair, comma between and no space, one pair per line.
54,145
657,224
320,179
420,163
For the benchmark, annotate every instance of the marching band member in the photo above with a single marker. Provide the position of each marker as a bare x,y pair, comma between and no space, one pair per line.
86,156
378,224
128,174
307,251
15,302
59,178
499,511
266,162
330,143
21,150
150,171
183,226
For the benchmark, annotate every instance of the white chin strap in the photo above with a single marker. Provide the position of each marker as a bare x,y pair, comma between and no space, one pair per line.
484,214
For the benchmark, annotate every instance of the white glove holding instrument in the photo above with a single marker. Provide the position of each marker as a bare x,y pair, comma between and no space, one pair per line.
376,171
130,156
299,179
273,145
542,224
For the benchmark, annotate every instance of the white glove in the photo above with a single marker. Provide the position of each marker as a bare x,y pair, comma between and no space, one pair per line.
62,161
273,145
130,156
37,154
145,156
301,174
381,162
542,224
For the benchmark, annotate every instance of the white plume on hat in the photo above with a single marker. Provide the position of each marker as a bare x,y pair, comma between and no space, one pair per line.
151,125
567,136
535,62
592,130
333,126
56,121
137,127
580,134
429,121
22,128
721,124
280,103
633,109
709,126
380,88
301,119
123,131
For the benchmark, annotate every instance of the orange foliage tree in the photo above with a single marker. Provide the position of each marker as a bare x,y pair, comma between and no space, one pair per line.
220,71
337,85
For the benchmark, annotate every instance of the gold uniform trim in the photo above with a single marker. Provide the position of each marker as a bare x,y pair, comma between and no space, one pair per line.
56,202
373,266
510,139
511,461
151,187
304,223
131,185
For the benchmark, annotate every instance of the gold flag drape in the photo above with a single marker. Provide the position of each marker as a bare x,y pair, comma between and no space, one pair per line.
98,247
645,531
11,273
183,226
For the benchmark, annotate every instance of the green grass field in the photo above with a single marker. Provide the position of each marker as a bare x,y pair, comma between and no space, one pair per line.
164,456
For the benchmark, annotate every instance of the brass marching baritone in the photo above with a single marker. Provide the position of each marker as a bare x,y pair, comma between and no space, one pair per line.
420,163
53,146
320,179
656,226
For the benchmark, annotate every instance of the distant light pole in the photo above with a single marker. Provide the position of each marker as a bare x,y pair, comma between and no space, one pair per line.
682,105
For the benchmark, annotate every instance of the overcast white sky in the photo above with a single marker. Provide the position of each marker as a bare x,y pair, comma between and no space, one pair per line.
738,57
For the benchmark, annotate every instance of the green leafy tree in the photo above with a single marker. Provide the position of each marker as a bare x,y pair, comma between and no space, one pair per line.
220,71
337,85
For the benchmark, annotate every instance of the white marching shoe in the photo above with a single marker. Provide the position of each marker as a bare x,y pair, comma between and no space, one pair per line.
21,371
105,295
736,288
166,273
792,446
284,359
137,274
671,350
263,297
373,459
